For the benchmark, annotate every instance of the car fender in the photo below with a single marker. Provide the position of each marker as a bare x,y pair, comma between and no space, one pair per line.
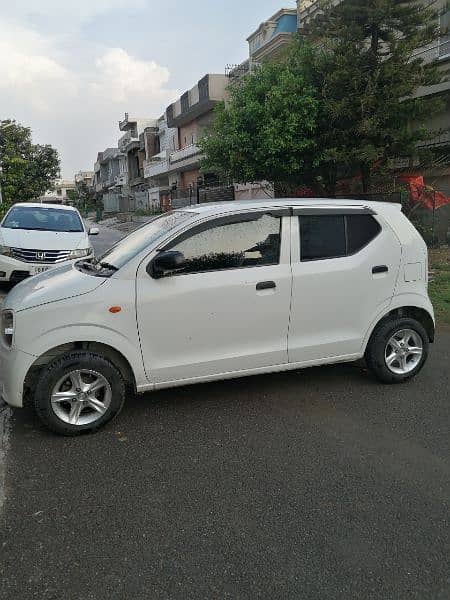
399,301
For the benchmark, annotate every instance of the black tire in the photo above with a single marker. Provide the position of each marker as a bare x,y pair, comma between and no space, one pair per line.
63,365
375,352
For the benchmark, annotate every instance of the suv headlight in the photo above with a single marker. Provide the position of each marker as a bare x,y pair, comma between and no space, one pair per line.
8,327
80,253
5,250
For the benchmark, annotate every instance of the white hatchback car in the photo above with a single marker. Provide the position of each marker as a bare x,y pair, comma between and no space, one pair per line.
38,237
214,292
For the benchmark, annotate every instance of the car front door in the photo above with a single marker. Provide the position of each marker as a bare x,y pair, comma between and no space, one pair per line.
227,309
345,264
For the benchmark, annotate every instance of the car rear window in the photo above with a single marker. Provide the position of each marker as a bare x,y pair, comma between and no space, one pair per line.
334,236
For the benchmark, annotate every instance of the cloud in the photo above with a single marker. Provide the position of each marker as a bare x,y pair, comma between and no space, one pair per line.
120,76
60,11
76,108
28,69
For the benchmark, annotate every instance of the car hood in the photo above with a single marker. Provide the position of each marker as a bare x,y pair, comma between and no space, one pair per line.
41,240
57,284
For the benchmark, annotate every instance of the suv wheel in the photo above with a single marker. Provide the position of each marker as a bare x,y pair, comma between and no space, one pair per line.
78,393
397,350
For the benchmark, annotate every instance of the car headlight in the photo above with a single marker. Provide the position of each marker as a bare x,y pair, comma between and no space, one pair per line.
8,326
80,253
5,250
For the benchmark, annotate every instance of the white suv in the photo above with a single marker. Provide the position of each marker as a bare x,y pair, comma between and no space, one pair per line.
38,237
214,292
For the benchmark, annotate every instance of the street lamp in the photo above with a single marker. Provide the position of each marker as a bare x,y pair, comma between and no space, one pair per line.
2,128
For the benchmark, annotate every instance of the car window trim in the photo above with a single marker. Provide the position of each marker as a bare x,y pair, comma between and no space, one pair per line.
319,211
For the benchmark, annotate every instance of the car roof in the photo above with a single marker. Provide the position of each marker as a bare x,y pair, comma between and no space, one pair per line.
213,208
46,205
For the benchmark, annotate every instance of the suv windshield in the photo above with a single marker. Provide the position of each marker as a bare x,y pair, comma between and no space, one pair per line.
43,219
133,244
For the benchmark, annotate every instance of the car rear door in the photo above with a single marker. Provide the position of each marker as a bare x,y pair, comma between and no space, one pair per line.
227,310
345,265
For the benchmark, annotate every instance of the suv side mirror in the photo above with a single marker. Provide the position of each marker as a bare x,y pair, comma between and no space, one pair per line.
164,262
94,231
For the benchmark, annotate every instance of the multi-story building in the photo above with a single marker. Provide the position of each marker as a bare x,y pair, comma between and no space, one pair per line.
60,194
159,143
106,181
132,146
191,116
268,42
84,178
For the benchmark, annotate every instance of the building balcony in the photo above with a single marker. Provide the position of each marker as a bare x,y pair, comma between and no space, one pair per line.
184,153
155,167
127,141
99,186
273,35
201,99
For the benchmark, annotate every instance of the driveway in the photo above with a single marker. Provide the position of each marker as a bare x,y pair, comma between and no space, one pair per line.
314,484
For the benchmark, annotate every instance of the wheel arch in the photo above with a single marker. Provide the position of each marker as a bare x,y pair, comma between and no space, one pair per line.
420,314
112,354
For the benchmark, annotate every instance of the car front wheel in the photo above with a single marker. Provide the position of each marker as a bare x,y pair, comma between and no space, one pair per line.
78,393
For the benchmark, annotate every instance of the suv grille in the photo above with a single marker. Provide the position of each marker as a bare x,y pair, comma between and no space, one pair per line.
40,256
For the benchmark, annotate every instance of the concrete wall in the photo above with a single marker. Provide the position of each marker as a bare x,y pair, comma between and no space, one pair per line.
218,87
188,177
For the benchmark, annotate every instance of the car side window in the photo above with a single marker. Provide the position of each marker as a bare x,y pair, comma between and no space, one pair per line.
322,236
232,246
335,236
361,230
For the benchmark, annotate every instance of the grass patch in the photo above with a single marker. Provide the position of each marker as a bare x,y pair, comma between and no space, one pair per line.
439,287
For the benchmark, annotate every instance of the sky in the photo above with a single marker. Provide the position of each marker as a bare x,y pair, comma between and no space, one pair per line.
71,69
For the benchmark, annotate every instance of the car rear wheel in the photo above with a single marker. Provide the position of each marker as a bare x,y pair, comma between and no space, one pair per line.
78,393
397,350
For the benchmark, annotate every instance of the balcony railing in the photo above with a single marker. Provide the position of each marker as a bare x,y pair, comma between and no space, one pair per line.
155,167
183,153
126,140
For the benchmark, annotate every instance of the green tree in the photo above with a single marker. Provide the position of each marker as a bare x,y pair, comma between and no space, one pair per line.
368,71
266,130
28,170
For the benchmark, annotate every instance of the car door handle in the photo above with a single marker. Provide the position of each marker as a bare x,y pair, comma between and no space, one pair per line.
266,285
380,269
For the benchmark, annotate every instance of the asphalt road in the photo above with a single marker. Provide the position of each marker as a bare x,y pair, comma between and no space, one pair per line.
316,484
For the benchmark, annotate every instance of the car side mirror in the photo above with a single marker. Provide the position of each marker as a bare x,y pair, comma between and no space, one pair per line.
94,231
164,262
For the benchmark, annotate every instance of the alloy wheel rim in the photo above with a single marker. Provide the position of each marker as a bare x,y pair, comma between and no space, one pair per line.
81,397
403,351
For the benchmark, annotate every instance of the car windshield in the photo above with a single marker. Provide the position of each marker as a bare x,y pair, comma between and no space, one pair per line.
143,237
36,218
